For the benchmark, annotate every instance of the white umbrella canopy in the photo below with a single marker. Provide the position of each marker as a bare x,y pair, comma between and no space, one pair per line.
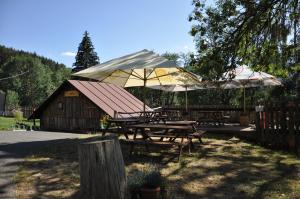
143,68
244,77
177,88
181,88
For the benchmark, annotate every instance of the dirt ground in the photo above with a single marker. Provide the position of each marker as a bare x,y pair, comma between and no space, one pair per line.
223,167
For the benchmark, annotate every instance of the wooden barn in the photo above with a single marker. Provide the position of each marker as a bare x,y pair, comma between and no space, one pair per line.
80,105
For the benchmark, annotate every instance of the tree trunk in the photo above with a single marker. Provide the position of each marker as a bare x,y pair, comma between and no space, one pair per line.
102,170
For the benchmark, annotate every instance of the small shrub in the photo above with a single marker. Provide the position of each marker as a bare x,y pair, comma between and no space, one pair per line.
148,177
18,115
104,122
153,179
136,180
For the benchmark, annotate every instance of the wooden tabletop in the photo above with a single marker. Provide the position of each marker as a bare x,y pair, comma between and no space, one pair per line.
123,120
162,126
181,122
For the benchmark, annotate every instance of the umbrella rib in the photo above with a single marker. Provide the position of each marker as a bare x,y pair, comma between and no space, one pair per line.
137,76
174,73
151,73
128,78
196,79
122,77
112,75
163,75
158,79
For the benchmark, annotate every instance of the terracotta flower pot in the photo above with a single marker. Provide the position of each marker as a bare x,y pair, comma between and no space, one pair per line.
147,193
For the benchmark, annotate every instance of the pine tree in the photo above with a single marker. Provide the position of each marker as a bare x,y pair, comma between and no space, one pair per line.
86,56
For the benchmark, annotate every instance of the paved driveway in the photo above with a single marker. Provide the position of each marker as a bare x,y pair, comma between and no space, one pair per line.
14,145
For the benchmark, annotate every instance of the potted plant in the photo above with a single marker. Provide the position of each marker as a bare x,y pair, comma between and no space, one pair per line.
152,185
103,121
135,181
146,183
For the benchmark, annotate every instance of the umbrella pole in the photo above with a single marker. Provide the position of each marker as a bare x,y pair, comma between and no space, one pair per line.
144,93
244,99
186,100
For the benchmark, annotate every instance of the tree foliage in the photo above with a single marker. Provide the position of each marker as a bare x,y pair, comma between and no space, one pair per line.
39,76
12,99
86,56
261,33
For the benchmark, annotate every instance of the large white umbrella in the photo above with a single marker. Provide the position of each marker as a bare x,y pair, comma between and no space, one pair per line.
180,88
244,77
177,88
143,68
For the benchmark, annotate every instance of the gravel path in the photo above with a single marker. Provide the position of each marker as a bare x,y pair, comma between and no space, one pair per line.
14,145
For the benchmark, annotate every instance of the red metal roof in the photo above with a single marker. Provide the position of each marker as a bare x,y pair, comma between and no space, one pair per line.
108,97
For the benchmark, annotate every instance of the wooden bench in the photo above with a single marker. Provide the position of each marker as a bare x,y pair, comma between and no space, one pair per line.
148,143
198,134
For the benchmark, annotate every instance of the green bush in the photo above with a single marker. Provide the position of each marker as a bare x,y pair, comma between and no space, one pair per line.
18,115
149,177
12,99
153,179
136,180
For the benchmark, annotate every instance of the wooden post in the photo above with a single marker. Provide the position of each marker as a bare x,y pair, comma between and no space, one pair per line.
102,170
115,114
291,137
257,124
268,135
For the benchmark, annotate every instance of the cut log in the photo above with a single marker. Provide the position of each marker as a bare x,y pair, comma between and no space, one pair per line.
102,170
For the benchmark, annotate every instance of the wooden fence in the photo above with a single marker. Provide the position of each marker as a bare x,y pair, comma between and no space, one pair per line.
194,112
278,125
27,111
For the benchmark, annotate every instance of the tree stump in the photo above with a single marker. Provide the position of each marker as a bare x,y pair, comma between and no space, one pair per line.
102,170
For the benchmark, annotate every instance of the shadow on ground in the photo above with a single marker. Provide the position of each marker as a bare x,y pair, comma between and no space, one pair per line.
224,167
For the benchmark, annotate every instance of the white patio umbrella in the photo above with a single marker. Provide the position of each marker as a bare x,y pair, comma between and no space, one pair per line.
143,68
180,88
177,88
244,77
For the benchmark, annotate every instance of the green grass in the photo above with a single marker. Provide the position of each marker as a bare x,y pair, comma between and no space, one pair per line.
6,123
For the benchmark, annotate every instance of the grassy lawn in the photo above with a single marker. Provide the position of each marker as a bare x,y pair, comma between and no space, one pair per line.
6,123
221,168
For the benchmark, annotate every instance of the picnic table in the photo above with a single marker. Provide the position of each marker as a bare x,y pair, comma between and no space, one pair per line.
121,124
211,117
186,131
147,116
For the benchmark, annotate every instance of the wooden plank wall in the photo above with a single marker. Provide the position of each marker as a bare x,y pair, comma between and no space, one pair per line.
78,113
278,125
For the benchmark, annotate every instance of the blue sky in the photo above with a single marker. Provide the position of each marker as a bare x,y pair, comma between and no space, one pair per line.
54,28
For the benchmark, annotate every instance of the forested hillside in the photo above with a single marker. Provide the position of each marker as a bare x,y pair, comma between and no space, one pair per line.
28,78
